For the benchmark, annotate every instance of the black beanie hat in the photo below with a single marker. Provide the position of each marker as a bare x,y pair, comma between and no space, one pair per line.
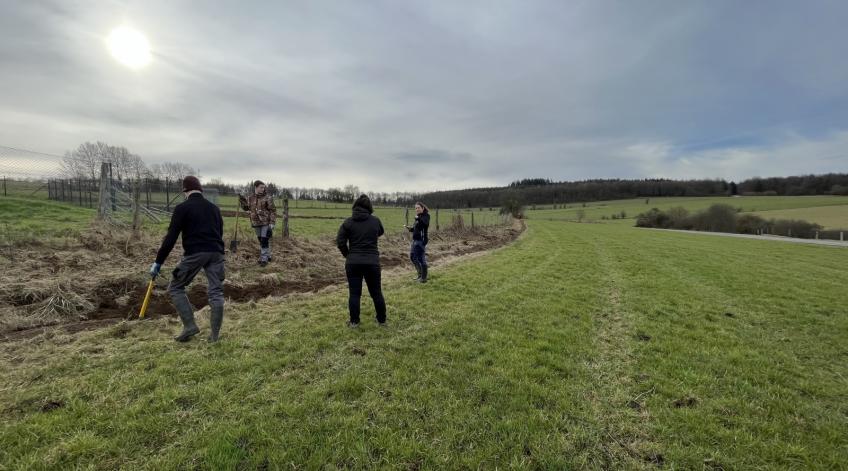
191,183
364,202
257,183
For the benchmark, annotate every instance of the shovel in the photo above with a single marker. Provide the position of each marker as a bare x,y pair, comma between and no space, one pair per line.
234,242
146,298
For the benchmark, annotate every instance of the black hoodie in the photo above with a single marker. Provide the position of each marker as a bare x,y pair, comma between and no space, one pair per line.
357,238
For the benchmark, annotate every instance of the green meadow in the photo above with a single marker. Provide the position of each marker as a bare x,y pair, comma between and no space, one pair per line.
597,346
633,207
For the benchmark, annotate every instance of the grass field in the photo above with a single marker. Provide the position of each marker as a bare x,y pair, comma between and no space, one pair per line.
26,217
581,345
632,207
829,217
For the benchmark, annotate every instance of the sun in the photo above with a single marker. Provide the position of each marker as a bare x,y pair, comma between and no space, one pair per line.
129,46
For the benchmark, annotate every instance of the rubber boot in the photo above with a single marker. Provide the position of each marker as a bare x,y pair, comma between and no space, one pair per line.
187,316
423,274
216,318
418,269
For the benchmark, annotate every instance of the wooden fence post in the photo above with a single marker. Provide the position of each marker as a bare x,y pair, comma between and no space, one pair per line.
472,219
136,224
406,215
168,195
104,205
437,219
113,198
286,218
841,236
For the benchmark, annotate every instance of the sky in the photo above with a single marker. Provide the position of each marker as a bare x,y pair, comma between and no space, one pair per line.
428,95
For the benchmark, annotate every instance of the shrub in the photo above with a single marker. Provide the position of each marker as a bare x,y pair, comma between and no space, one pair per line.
749,224
653,218
678,218
794,228
717,218
513,207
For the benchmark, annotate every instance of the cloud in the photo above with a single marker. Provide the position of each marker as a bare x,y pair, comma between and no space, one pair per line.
434,156
434,95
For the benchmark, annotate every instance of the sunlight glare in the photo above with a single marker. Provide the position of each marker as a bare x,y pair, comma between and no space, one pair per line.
129,46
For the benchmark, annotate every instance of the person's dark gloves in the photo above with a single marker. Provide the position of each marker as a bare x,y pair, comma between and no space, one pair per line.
154,269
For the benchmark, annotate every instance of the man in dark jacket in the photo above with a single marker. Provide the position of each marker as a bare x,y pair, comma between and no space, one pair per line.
202,229
357,241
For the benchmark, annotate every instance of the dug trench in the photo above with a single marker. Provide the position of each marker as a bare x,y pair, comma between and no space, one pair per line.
77,288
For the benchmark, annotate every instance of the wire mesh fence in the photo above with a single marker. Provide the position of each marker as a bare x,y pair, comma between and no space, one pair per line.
32,175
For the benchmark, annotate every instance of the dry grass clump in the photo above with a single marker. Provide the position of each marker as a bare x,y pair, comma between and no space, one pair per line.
63,305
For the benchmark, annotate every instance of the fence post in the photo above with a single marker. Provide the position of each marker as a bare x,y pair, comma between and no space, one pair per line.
841,236
88,185
817,235
472,219
113,198
136,207
104,204
286,218
4,185
790,232
437,219
406,215
147,187
167,194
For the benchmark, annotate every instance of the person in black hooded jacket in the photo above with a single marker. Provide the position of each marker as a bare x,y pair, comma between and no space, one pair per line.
419,240
357,241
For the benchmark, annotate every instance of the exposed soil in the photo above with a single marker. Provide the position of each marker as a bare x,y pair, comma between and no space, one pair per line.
102,279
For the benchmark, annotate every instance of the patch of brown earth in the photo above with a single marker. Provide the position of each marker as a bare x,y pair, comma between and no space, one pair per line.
103,277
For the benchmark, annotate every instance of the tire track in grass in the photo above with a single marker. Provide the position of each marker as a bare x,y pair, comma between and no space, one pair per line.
619,407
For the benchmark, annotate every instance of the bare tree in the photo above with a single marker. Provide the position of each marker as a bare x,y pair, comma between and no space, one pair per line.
84,161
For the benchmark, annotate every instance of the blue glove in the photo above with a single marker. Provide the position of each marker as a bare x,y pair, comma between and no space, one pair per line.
154,269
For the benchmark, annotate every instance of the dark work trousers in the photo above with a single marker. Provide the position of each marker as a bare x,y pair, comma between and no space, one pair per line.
371,274
212,263
417,254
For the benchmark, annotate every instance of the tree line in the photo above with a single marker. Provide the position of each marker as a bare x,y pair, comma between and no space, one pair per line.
545,191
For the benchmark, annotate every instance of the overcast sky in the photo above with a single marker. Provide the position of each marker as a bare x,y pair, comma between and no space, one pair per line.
422,95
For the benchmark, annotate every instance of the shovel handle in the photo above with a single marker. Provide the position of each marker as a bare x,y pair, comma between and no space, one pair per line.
146,299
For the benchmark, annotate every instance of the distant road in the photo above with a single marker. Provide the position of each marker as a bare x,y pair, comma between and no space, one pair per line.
832,243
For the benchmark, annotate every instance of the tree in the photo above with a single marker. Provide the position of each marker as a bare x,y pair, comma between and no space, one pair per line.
85,160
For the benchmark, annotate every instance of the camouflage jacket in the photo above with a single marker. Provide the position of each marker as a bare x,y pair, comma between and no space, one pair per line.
261,209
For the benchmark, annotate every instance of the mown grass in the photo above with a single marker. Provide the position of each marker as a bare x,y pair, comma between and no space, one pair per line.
829,217
580,346
26,218
632,207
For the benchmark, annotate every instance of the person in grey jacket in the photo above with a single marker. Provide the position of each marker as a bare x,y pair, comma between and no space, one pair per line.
357,241
202,228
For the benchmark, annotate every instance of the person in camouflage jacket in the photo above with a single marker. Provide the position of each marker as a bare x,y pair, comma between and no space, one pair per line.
263,216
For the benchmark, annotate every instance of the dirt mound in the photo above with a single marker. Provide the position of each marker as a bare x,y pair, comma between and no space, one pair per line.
101,278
